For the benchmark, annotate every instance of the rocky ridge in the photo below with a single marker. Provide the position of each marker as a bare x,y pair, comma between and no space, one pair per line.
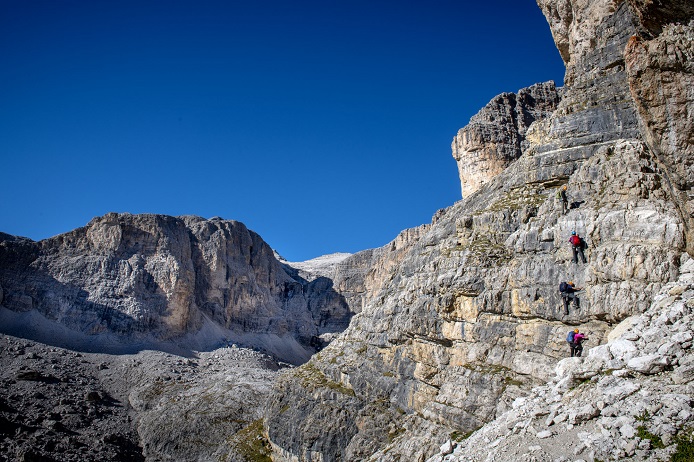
496,135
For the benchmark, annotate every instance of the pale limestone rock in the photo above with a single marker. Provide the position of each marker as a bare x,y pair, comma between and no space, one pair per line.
622,348
495,136
601,352
472,305
649,364
153,278
661,78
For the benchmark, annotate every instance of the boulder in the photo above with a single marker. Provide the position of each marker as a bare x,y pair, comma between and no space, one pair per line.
649,364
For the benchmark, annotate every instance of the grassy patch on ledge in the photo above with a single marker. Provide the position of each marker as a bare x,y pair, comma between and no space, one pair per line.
483,248
251,443
516,199
457,436
313,377
685,447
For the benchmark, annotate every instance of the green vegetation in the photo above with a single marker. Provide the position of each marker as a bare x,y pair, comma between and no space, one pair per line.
516,199
313,377
580,383
252,444
685,447
457,436
484,248
643,433
512,381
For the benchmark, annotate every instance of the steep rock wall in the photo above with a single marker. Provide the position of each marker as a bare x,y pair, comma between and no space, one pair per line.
154,278
361,277
471,317
661,79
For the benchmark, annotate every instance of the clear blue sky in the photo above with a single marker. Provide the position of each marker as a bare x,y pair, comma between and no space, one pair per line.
324,126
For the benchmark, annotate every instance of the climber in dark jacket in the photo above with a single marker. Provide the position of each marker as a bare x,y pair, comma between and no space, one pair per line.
561,195
568,294
577,247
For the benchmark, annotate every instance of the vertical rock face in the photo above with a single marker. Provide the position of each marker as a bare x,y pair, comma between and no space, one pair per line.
661,79
470,318
157,278
495,136
361,277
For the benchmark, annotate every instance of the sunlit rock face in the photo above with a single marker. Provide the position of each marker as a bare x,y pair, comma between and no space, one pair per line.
159,278
470,317
660,66
496,136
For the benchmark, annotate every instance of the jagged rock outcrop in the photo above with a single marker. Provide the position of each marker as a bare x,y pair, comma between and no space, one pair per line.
470,319
495,136
153,278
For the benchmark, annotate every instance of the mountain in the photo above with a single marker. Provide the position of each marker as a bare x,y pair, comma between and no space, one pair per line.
447,344
466,320
127,282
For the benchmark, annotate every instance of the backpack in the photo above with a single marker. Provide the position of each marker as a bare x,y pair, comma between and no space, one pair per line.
564,287
570,337
575,240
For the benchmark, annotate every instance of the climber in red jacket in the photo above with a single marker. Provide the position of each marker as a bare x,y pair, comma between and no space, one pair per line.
577,245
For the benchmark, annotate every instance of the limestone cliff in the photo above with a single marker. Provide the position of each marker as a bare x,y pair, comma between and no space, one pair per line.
629,399
154,278
496,136
470,318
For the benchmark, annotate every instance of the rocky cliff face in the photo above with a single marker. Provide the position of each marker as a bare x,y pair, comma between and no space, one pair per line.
153,278
628,399
496,136
470,318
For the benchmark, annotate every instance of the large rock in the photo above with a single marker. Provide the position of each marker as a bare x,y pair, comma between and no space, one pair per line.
598,411
150,278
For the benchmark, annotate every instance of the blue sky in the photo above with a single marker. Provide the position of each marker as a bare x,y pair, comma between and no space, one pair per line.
324,126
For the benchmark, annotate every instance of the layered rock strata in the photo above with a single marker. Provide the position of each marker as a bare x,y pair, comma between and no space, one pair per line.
661,78
470,319
495,136
153,278
630,398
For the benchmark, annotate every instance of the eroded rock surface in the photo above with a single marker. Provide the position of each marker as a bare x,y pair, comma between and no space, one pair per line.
471,319
628,399
152,278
